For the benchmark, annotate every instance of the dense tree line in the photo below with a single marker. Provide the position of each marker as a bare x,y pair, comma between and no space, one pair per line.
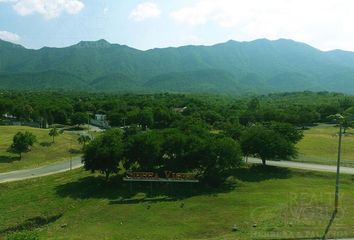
160,111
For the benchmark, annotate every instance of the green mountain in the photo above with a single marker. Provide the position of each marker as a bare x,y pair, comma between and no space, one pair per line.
204,81
116,82
232,67
48,80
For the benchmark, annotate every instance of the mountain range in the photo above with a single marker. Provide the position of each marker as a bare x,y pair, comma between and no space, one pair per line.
258,66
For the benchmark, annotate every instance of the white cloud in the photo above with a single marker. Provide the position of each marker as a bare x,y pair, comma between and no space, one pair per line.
144,11
191,39
105,10
9,36
48,8
325,24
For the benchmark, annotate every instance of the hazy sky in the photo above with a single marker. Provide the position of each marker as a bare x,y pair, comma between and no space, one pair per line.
325,24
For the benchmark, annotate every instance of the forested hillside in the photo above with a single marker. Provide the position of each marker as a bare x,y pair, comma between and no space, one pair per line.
258,66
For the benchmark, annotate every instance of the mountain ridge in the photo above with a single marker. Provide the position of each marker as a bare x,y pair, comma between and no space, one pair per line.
102,40
260,65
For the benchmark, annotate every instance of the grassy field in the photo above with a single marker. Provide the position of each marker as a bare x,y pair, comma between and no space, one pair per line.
320,145
264,203
43,152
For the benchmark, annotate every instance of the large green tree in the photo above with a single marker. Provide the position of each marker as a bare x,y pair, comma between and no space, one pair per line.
287,130
144,150
22,142
163,118
79,118
181,151
116,118
220,155
145,118
104,153
266,144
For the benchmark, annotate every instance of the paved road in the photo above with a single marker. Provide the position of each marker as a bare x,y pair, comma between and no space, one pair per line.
76,163
305,166
41,171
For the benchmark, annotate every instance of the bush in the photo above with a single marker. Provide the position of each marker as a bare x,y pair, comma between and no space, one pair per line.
22,236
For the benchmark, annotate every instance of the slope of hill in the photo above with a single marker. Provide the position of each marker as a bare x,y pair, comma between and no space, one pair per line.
216,81
232,67
117,82
48,80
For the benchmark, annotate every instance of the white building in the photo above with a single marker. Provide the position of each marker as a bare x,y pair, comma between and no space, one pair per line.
100,120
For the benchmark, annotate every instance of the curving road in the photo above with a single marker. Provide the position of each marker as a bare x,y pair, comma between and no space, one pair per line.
305,166
76,163
40,171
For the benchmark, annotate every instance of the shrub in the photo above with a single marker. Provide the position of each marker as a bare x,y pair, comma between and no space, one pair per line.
22,236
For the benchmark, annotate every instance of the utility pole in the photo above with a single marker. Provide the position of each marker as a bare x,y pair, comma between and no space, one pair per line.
71,160
338,167
124,118
338,118
71,163
88,123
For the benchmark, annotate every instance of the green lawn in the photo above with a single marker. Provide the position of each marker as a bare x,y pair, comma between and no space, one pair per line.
320,145
265,203
40,153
